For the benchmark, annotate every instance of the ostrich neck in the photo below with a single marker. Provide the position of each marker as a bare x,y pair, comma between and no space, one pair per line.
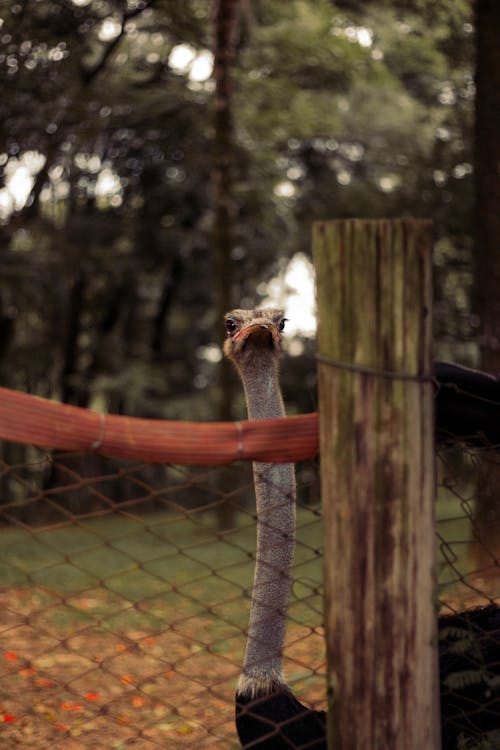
275,503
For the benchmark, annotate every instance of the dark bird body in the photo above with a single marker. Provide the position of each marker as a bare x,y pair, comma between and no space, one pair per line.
469,671
276,720
268,716
467,405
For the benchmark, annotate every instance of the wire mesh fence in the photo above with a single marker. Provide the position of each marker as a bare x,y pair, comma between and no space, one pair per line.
124,594
125,589
468,527
468,538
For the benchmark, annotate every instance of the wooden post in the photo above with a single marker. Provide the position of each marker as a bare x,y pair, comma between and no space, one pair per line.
374,296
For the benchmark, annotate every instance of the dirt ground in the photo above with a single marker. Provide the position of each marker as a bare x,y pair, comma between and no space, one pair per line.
77,683
76,686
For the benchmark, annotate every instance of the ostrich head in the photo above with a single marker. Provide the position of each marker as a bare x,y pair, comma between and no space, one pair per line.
253,331
254,344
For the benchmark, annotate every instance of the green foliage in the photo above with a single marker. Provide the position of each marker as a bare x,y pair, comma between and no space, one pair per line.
465,678
134,560
345,109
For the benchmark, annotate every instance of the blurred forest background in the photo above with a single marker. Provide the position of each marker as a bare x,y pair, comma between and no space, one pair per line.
162,161
146,190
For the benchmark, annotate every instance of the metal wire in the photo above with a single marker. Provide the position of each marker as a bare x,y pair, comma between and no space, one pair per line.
124,593
125,585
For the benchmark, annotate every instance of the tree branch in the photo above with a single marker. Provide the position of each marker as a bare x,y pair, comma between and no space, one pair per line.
90,74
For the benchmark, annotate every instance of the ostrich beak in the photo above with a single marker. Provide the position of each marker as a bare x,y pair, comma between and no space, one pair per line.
260,332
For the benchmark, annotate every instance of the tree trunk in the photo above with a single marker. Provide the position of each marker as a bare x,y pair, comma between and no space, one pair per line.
487,256
70,392
170,286
225,23
378,482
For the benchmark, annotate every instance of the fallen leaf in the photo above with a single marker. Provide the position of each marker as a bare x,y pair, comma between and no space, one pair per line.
62,727
123,720
42,682
28,672
166,726
184,729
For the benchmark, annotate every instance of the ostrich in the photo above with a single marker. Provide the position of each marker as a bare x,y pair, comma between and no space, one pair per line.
467,405
265,707
268,716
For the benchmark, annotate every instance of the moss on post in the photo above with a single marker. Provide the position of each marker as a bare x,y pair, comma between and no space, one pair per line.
374,296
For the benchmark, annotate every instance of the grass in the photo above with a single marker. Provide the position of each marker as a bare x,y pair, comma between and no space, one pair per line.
129,632
173,556
465,577
156,560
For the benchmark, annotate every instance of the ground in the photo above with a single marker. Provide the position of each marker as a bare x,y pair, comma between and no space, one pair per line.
128,632
75,686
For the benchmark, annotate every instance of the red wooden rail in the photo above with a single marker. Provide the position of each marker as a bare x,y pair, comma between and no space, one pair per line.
36,421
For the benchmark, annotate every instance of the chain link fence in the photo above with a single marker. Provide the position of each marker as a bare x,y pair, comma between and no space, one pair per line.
125,590
468,537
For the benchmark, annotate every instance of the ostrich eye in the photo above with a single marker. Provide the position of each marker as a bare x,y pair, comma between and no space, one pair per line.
231,326
281,324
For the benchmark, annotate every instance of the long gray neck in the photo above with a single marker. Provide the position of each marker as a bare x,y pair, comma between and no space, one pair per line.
275,499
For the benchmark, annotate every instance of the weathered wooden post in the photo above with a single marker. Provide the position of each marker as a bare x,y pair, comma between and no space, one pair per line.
377,472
